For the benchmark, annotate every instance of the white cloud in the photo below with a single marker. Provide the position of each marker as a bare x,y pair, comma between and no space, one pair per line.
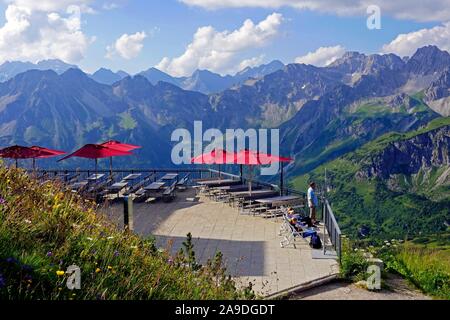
433,10
322,56
52,5
110,6
36,30
127,46
220,51
406,44
252,62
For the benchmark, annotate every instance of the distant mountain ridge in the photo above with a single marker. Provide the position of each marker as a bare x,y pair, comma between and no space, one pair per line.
207,82
10,69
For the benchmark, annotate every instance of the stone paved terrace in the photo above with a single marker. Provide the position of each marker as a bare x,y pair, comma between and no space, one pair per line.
250,245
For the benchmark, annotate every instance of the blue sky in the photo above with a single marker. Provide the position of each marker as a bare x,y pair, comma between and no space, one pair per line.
167,27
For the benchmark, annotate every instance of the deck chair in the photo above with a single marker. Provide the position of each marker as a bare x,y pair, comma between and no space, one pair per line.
182,184
169,193
291,233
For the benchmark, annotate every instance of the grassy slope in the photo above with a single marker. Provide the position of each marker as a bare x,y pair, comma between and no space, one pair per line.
425,261
370,203
44,230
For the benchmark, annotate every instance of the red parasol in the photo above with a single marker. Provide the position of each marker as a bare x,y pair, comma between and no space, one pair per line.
216,156
118,146
251,158
19,152
45,153
96,151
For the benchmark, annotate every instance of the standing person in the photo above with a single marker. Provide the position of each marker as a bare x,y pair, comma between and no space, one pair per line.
313,202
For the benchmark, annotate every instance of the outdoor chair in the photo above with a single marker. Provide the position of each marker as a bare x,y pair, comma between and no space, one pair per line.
182,184
135,188
291,233
169,193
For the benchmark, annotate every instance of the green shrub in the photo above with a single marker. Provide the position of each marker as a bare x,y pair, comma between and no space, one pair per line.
353,263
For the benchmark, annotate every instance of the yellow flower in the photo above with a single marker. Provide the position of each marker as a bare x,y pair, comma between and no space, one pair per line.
98,270
60,273
109,267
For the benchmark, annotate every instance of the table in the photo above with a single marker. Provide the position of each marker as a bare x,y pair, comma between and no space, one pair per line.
118,186
170,176
79,185
132,176
95,177
155,186
232,187
218,183
254,192
277,200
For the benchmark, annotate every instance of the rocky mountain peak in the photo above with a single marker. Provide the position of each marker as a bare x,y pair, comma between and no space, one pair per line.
428,60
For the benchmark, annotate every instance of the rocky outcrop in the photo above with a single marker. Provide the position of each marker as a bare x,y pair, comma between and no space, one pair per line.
423,151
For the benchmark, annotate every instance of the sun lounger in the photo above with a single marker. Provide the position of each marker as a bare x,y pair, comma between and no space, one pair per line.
182,183
139,185
169,192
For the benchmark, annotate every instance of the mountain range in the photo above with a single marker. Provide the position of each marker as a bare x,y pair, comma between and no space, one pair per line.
322,112
201,80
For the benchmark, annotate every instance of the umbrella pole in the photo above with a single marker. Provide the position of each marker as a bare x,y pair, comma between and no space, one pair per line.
34,164
241,173
95,165
110,166
220,174
17,163
281,179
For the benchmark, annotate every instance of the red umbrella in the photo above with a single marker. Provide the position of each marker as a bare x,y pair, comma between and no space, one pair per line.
114,144
119,145
19,152
45,153
251,158
216,156
96,151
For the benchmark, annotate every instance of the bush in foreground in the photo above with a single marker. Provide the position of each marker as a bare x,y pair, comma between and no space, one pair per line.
44,230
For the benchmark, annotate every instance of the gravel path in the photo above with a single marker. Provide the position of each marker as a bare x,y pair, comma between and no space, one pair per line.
398,289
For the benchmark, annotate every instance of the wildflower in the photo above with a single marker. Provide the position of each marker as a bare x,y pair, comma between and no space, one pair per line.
110,238
2,201
2,281
89,238
11,260
59,289
60,273
133,247
98,270
27,221
49,254
110,268
116,253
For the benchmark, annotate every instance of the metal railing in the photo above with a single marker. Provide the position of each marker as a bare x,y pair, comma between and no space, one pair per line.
334,232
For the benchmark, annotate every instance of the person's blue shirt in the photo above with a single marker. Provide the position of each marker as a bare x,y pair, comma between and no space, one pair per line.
312,198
